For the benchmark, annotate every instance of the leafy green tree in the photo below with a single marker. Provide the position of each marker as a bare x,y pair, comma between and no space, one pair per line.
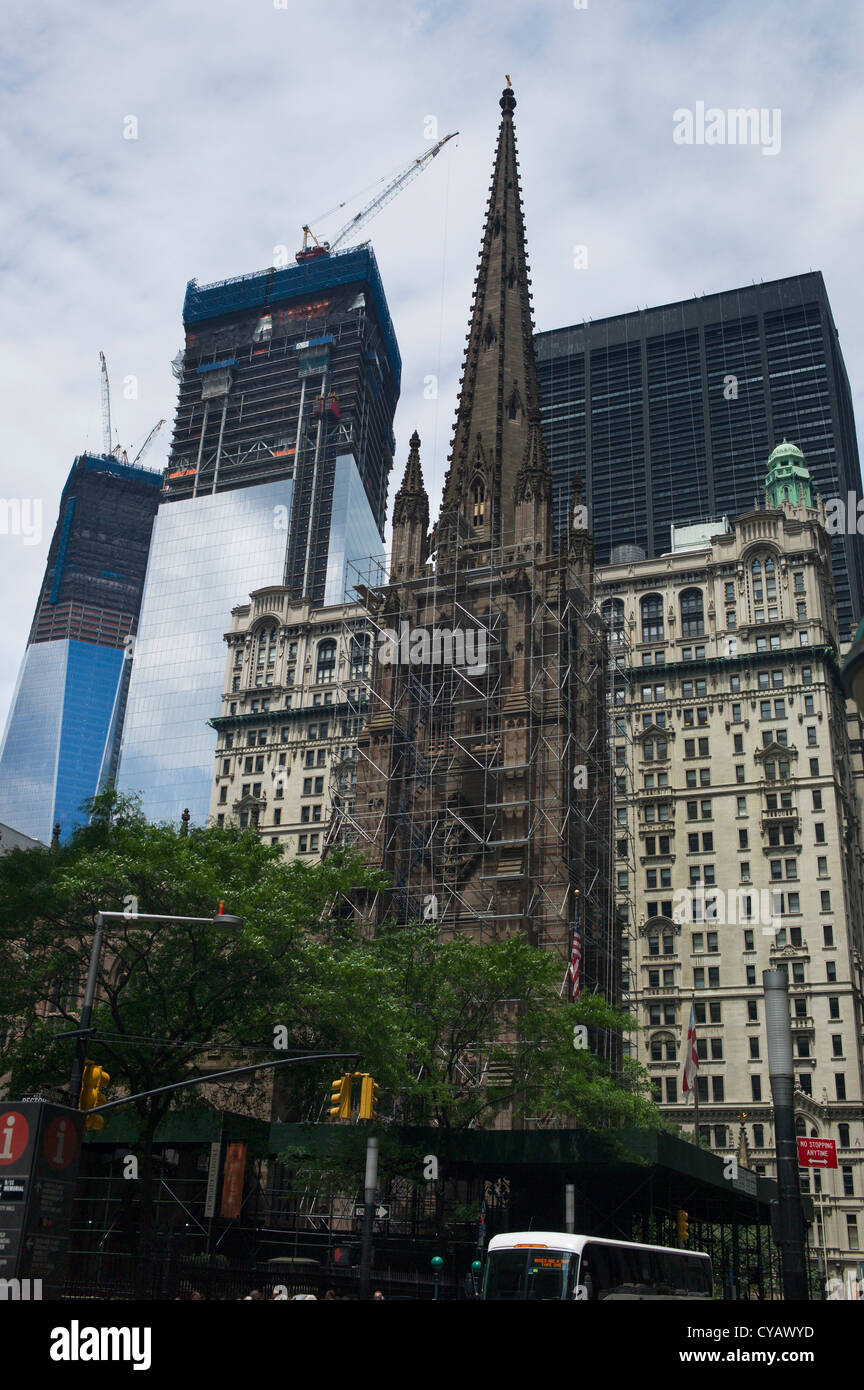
454,1032
168,993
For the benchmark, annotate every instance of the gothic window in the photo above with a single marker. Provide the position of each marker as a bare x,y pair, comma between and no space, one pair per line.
478,502
652,618
514,404
511,275
489,332
692,613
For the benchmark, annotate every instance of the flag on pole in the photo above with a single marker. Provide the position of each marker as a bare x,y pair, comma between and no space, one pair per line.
574,968
691,1060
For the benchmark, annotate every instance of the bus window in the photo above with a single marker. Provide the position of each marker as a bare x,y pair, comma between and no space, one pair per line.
540,1274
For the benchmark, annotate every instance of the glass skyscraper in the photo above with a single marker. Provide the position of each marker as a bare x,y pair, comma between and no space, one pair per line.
283,442
61,736
668,414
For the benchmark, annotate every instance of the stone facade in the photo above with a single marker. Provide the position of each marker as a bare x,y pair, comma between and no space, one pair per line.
738,844
291,712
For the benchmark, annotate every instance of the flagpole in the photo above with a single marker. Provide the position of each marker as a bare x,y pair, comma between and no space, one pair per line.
695,1095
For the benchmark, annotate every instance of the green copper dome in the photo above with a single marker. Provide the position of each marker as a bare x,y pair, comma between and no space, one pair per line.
788,478
785,451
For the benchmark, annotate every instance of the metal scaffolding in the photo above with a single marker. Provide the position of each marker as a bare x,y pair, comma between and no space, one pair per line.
483,780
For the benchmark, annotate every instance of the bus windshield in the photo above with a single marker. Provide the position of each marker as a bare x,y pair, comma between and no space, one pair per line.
530,1273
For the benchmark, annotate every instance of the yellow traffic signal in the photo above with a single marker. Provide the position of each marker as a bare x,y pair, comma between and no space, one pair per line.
682,1225
94,1084
340,1098
368,1098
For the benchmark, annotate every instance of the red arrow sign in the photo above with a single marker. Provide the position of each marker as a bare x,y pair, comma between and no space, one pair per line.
817,1153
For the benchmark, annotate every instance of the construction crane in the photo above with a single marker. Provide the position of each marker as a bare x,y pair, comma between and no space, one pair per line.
312,247
116,451
147,442
106,407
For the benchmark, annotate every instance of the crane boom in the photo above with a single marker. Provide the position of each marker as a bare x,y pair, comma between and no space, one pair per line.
147,442
402,179
106,406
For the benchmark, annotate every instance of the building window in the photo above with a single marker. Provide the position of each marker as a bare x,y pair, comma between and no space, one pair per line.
692,613
840,1085
325,668
651,608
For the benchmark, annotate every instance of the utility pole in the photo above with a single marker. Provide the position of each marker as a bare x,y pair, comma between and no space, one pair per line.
370,1187
789,1226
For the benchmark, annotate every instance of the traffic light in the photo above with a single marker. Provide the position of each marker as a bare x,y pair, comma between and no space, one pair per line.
368,1098
340,1098
682,1225
94,1083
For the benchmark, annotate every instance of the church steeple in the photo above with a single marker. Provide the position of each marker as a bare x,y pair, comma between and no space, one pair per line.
498,480
410,518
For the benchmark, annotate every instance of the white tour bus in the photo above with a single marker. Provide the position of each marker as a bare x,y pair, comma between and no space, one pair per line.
550,1264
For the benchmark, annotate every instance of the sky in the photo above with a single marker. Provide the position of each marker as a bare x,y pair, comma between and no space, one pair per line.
251,117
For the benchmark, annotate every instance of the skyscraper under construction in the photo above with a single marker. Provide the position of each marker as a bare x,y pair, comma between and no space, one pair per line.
483,777
283,443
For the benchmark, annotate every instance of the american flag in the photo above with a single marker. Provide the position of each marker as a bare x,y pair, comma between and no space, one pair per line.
691,1061
573,970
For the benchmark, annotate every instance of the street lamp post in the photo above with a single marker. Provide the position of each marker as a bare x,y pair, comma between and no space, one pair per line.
222,919
437,1266
789,1232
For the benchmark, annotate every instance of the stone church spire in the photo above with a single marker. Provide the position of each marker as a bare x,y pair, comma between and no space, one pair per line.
410,518
498,480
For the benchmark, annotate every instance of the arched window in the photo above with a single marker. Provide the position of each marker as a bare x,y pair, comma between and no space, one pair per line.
770,579
692,613
613,612
267,645
326,664
763,589
663,1048
478,502
651,608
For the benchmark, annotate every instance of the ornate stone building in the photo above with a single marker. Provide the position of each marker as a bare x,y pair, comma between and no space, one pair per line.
292,706
738,838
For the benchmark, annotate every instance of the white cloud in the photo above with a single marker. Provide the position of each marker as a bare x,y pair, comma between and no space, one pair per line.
251,120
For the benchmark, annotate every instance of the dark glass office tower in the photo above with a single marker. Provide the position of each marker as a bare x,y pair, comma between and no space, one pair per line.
282,446
668,414
61,737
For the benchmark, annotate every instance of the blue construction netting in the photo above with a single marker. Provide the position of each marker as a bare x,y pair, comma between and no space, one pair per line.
104,463
263,287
